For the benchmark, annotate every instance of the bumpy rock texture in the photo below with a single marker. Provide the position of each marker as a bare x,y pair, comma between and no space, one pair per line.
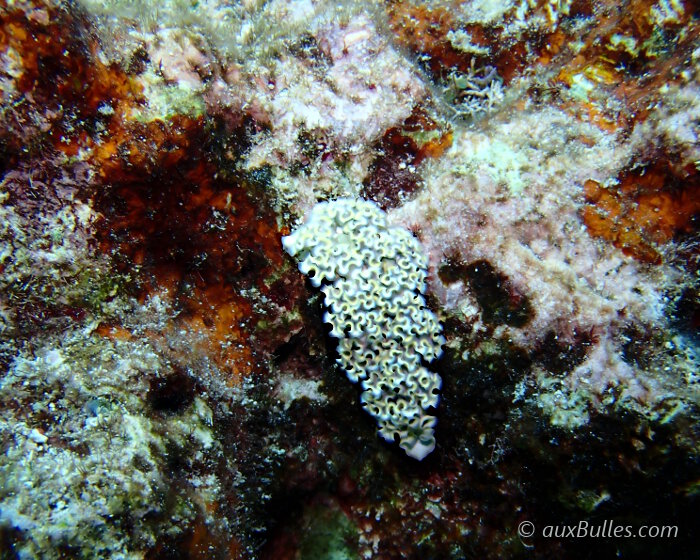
373,278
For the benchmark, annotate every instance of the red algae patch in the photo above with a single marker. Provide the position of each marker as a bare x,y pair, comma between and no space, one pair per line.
169,218
204,239
394,174
173,216
68,92
643,210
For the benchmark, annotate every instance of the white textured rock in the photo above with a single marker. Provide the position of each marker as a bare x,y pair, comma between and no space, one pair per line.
373,276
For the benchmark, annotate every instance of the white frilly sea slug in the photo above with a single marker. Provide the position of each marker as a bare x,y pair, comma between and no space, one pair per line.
373,278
